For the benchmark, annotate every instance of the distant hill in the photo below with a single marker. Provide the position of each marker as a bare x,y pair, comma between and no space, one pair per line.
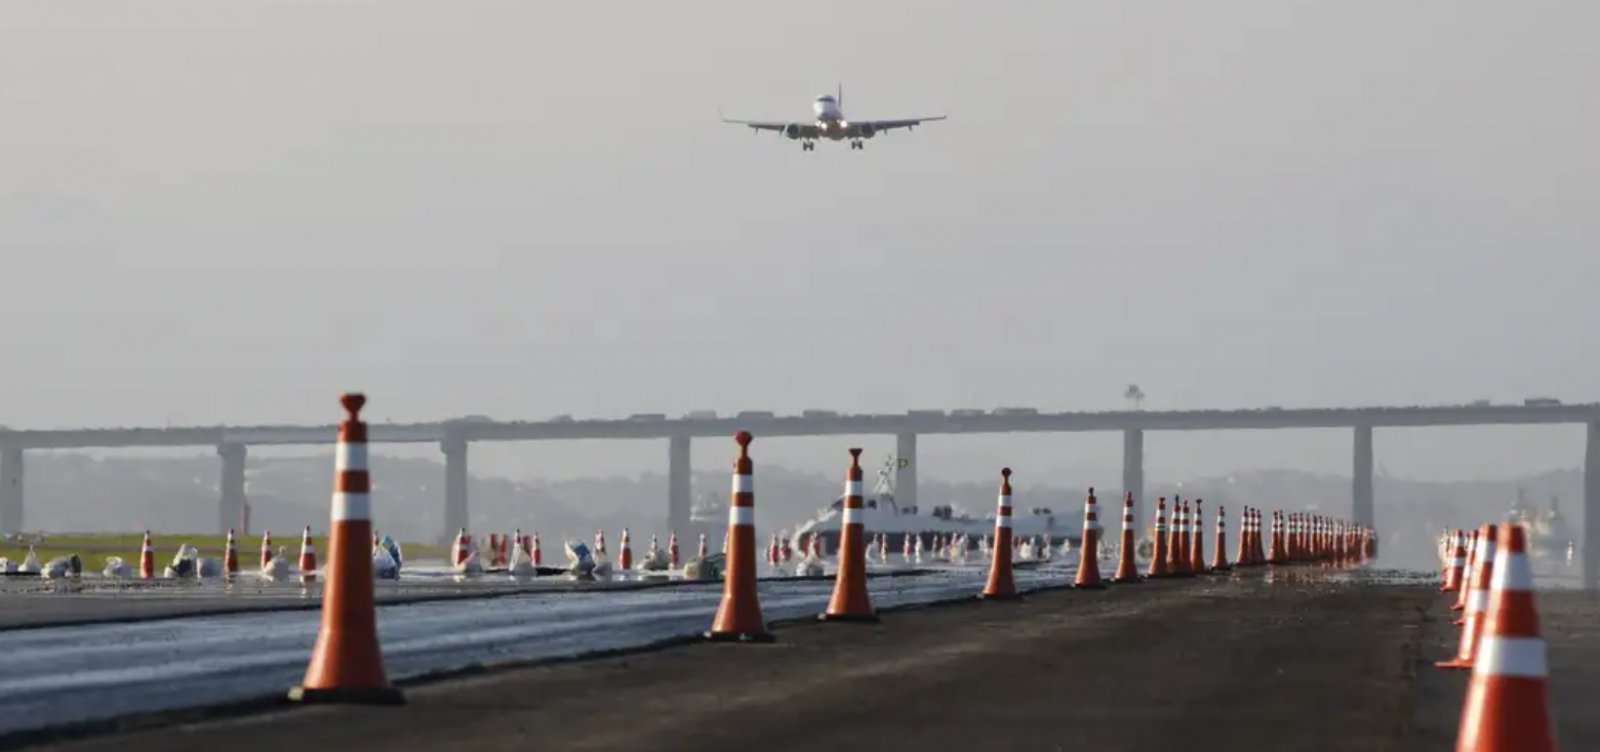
80,493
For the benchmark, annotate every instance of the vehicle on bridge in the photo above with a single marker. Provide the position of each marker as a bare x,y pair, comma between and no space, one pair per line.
882,514
818,414
755,415
1015,411
1541,402
647,416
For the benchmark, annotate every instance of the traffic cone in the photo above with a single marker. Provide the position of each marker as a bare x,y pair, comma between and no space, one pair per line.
346,663
1158,557
625,554
1089,552
1001,586
308,557
461,548
535,554
739,617
494,549
266,548
1477,601
1178,547
1241,555
905,547
503,551
1197,545
1508,701
850,601
1276,554
147,559
1219,561
230,556
600,541
1127,565
672,550
1473,549
774,553
1458,562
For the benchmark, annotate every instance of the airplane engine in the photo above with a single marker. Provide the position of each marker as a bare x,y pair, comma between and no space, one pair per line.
792,131
868,131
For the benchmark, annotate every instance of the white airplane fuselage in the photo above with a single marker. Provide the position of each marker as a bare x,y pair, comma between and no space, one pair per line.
830,119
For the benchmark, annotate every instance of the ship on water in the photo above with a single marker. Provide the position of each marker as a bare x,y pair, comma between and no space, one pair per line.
897,522
1550,536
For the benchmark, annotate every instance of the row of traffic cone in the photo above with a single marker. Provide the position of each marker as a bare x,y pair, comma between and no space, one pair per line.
230,555
347,665
1507,705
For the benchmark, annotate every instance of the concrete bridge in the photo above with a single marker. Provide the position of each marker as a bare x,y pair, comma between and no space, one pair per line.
453,438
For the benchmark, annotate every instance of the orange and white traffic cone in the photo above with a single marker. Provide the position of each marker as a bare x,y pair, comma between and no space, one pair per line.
346,663
266,548
1473,550
503,551
1477,600
1179,546
1197,545
672,550
1127,564
850,601
1219,561
494,549
1001,585
1089,553
147,559
1276,554
461,548
702,552
1453,579
1241,555
1508,701
308,557
230,556
1158,557
600,541
536,555
774,552
625,554
739,617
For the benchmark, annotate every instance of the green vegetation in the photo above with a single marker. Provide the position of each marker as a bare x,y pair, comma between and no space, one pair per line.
93,548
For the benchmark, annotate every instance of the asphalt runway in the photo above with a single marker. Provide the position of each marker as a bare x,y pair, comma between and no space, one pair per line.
64,675
1298,660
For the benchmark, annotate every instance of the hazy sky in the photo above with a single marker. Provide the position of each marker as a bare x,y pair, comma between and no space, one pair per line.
228,212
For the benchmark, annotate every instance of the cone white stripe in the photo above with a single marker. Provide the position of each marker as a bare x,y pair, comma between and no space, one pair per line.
852,488
351,506
853,516
1478,601
1003,521
1511,573
742,516
1511,656
744,483
350,456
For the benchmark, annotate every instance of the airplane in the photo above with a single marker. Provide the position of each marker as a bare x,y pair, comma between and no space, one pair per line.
831,124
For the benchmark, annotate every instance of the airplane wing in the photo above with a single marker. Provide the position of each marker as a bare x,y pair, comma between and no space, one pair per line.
806,130
889,125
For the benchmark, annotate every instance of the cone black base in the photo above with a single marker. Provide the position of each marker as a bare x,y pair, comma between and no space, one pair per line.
739,636
849,618
1011,597
348,696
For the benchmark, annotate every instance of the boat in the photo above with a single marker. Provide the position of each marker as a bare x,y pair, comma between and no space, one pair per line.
882,515
1550,536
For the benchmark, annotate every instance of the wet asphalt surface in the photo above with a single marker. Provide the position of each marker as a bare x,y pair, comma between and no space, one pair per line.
60,675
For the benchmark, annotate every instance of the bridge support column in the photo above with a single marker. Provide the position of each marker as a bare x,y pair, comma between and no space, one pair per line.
455,486
10,490
1591,509
678,474
1361,502
905,473
230,507
1132,471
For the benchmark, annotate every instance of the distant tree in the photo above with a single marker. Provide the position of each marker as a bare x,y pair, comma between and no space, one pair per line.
1134,395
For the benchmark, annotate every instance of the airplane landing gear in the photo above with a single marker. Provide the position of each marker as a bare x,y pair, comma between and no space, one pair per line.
808,146
856,144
